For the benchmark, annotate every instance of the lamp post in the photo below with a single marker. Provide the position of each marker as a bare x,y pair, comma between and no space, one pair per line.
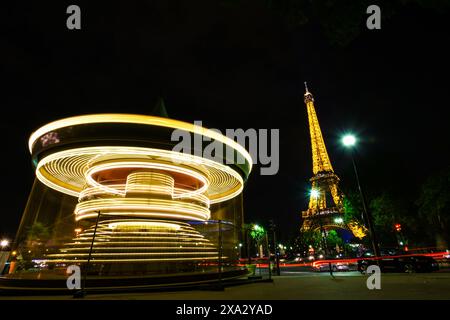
247,238
82,292
240,251
275,248
268,254
349,142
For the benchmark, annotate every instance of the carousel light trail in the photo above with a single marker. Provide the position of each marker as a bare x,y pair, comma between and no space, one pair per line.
124,167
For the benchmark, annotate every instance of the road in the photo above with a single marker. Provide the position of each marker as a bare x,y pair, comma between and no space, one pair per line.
304,286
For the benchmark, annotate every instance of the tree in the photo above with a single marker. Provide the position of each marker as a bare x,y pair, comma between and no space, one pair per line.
334,239
37,235
352,208
387,211
254,236
434,206
353,215
308,238
38,232
257,232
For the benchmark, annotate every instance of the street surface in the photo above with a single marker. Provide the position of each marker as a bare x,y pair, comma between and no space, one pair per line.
298,284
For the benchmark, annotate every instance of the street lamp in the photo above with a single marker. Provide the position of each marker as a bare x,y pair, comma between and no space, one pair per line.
275,248
338,220
4,243
315,193
349,141
240,251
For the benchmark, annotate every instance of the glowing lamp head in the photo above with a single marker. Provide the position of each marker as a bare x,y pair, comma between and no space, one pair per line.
315,193
338,220
349,140
4,243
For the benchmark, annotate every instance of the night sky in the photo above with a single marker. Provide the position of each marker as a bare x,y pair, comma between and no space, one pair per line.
238,64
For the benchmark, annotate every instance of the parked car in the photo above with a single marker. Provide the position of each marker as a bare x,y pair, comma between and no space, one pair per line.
398,261
335,266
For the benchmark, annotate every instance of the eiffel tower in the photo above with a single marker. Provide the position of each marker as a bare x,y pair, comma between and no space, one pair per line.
325,210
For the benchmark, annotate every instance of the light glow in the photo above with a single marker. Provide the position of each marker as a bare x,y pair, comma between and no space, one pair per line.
325,182
136,119
143,241
142,194
349,140
68,171
315,193
338,220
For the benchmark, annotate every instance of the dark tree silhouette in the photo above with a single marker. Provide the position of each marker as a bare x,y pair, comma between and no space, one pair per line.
434,206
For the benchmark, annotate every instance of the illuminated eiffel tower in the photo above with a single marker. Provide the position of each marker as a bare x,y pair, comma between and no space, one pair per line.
325,208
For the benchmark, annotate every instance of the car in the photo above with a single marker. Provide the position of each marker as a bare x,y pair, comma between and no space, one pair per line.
398,261
335,266
294,260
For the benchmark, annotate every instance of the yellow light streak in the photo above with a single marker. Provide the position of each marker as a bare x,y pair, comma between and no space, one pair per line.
142,254
143,215
66,171
131,260
145,186
144,165
137,119
143,248
135,206
144,224
202,242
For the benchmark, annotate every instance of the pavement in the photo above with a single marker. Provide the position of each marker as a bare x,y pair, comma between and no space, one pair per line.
300,285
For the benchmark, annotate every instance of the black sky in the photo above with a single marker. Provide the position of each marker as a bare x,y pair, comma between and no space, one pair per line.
236,64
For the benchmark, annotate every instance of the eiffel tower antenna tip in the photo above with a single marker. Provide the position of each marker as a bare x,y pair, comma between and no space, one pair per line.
306,87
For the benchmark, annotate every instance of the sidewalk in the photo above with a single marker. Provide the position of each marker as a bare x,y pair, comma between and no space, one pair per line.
344,286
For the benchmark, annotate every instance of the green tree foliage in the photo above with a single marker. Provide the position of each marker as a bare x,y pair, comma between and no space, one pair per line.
424,218
387,210
307,238
314,238
434,206
352,207
38,232
334,239
257,232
